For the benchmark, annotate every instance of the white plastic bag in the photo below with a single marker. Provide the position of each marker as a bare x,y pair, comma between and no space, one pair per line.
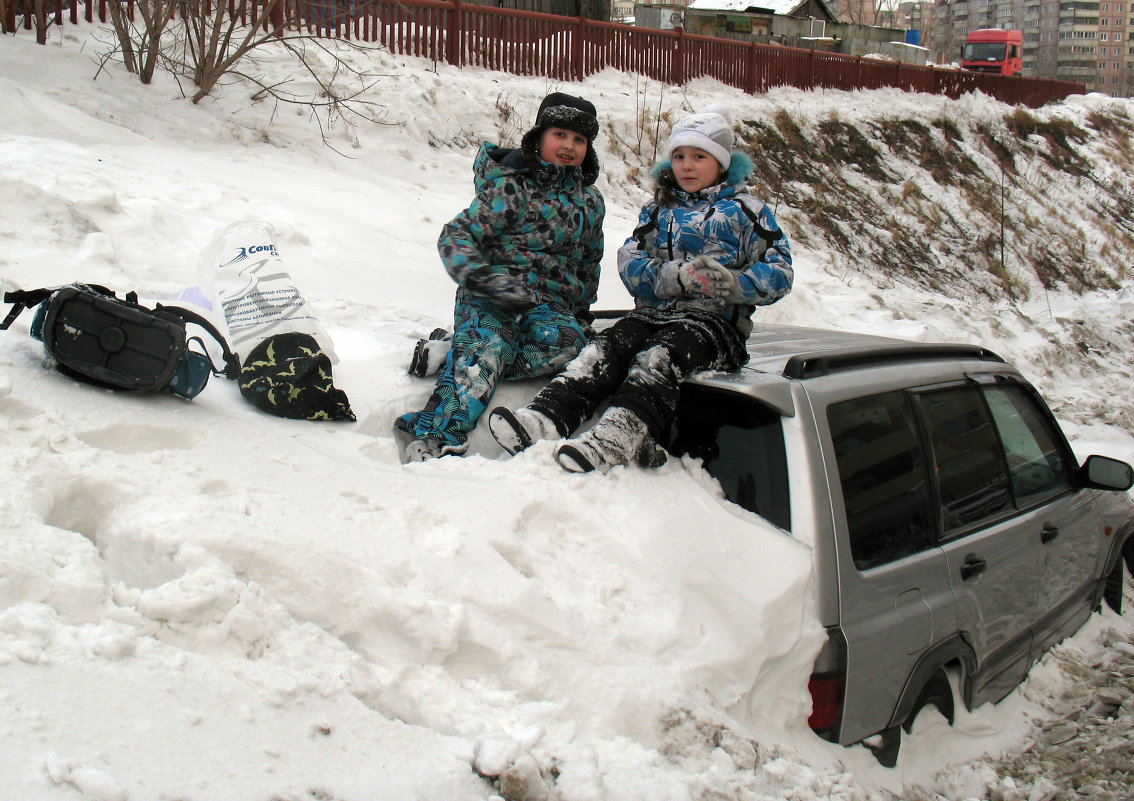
242,271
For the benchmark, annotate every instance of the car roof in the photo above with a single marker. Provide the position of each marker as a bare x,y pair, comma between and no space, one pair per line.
800,352
779,354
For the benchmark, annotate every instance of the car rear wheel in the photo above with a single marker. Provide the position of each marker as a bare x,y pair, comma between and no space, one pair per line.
937,692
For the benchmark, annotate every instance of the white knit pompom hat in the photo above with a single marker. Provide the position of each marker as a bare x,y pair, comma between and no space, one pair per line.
709,129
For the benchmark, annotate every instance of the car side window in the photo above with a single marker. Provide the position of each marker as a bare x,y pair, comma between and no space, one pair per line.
968,458
1036,464
741,444
883,476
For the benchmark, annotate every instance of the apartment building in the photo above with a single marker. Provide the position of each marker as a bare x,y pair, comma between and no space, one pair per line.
1074,40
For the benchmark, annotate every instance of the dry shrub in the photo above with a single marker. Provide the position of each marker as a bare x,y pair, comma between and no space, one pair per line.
943,157
1118,127
509,125
906,138
1060,135
1000,151
962,207
845,145
790,130
783,169
1021,122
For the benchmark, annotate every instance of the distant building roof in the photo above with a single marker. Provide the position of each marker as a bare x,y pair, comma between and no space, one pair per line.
784,7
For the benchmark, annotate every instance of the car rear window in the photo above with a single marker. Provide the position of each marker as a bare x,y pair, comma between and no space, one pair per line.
884,480
741,444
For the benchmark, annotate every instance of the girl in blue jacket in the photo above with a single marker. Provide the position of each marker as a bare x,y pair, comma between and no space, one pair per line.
525,255
703,257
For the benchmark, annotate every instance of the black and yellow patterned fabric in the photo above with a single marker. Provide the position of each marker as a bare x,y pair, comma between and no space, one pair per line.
289,375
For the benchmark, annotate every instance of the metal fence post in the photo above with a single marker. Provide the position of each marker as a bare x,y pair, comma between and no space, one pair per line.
453,35
577,66
750,76
276,17
677,69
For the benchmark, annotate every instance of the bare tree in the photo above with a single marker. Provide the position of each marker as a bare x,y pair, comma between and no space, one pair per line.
200,43
39,13
213,43
861,12
141,47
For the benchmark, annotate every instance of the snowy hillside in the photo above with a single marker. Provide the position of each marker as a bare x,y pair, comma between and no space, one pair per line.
199,601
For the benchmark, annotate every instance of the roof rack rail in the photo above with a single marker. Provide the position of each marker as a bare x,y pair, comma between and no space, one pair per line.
813,365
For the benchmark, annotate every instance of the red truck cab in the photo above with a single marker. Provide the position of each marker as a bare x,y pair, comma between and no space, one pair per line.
993,50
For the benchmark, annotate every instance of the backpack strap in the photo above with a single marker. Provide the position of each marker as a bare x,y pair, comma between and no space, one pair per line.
26,298
769,236
22,299
645,228
231,362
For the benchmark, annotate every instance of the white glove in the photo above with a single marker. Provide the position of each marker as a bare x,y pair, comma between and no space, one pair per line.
705,275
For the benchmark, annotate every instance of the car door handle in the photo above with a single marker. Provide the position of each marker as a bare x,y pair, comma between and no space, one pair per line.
1048,533
972,567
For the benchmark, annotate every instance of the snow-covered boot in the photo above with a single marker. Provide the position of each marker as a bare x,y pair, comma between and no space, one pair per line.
429,354
651,455
411,449
516,431
421,450
615,439
522,781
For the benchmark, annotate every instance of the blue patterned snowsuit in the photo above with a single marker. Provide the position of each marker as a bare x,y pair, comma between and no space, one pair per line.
525,255
640,361
732,227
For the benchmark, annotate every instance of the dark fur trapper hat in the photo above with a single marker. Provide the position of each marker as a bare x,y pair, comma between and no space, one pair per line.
559,110
567,111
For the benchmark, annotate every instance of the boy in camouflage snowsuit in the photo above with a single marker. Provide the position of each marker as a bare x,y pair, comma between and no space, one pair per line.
525,255
703,257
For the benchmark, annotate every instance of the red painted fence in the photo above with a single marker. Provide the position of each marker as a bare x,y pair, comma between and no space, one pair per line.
571,48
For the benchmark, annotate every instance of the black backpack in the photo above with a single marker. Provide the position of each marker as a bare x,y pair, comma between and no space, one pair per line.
101,339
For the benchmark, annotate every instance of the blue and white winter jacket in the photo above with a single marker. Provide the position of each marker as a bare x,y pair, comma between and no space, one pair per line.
532,236
720,221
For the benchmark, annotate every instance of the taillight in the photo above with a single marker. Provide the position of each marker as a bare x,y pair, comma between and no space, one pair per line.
826,703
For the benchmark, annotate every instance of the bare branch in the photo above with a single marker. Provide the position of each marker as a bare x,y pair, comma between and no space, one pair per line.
204,44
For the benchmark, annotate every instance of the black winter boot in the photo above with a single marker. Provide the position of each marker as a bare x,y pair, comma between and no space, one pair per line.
615,439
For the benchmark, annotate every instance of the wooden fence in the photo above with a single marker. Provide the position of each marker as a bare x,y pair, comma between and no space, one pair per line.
571,48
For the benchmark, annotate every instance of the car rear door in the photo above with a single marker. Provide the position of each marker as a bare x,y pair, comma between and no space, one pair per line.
895,600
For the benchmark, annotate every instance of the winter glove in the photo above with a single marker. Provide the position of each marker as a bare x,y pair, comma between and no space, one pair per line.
509,294
705,275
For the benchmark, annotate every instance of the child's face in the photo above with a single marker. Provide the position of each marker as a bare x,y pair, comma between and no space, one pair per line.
694,168
562,147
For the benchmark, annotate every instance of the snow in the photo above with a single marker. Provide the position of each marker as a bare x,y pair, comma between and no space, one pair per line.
200,601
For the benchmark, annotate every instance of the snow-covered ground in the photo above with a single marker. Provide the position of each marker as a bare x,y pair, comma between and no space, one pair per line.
199,601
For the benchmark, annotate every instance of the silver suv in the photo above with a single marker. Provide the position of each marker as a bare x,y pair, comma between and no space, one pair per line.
952,528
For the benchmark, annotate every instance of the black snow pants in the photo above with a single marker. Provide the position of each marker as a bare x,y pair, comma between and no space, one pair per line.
637,363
